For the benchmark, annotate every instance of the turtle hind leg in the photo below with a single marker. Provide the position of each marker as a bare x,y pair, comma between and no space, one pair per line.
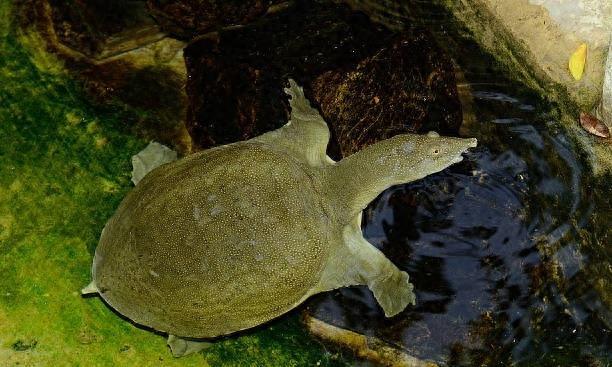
358,262
181,347
91,288
151,157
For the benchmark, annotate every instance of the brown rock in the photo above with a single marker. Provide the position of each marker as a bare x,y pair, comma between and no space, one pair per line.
369,83
406,86
102,28
188,18
147,77
236,78
231,101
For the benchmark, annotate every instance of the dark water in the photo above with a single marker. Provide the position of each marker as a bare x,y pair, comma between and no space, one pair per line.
494,245
490,245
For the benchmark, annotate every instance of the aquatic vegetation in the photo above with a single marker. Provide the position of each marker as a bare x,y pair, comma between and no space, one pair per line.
231,237
64,167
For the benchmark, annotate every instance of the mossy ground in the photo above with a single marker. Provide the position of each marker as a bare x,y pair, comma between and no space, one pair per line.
64,167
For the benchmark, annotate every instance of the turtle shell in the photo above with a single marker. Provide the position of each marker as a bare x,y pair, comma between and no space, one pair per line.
220,241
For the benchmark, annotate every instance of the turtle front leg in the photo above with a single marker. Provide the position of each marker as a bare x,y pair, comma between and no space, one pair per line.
151,157
358,262
390,286
393,291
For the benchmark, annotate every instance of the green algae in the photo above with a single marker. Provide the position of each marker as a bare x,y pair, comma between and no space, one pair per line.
64,167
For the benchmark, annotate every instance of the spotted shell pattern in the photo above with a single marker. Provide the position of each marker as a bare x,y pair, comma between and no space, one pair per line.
194,260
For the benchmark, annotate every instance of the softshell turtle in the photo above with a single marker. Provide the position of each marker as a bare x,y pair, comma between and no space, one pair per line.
228,238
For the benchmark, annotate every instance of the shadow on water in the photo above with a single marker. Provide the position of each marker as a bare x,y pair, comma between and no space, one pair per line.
493,245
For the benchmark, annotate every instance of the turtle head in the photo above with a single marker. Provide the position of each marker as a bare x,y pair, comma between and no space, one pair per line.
358,179
433,153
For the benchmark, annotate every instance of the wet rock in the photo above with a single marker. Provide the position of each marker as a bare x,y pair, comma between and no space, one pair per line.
102,28
188,18
604,110
533,38
132,72
235,78
154,89
406,86
232,101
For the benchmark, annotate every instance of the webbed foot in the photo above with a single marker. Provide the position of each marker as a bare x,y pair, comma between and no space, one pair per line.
358,262
393,292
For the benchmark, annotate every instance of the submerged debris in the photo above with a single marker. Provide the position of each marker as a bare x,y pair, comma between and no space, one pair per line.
365,346
408,85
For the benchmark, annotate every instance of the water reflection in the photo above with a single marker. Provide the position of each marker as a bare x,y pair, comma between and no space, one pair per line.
491,245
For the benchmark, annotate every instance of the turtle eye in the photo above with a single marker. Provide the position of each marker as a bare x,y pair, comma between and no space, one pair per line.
436,151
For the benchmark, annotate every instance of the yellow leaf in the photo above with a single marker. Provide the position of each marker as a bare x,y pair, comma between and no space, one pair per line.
577,61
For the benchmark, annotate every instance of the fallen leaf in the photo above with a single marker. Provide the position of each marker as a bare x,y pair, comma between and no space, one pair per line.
592,124
577,61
